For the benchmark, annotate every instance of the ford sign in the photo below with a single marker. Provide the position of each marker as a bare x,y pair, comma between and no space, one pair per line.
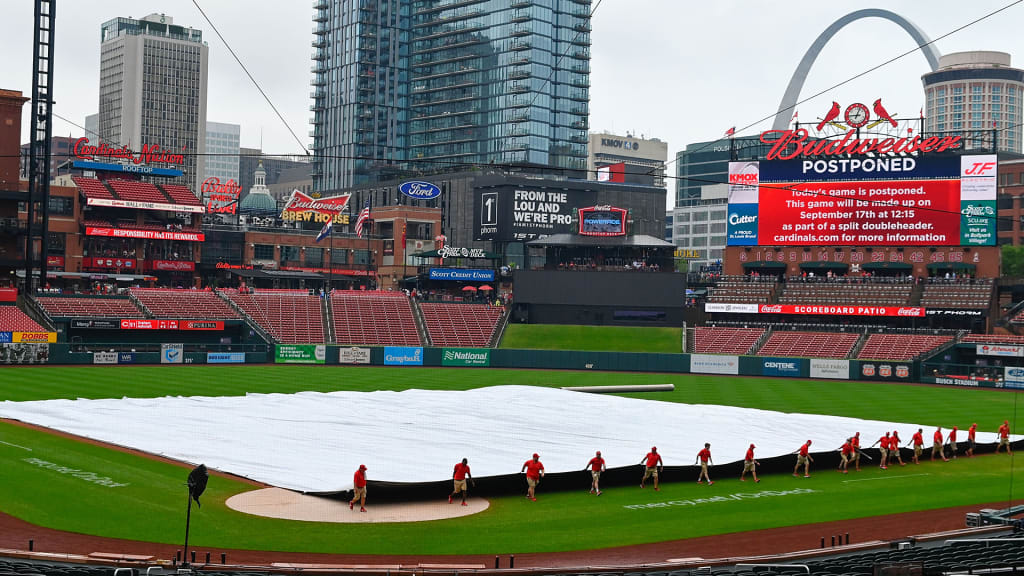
419,190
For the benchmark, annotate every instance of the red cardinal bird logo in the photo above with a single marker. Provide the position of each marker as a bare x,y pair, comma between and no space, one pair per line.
882,113
832,115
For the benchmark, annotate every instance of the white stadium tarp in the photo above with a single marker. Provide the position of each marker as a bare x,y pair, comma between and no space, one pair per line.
313,442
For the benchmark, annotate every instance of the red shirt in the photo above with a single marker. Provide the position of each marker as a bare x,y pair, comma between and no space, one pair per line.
704,455
894,441
804,449
884,442
461,470
1004,431
847,448
918,439
653,459
533,468
937,437
750,454
596,464
952,435
971,431
855,442
359,480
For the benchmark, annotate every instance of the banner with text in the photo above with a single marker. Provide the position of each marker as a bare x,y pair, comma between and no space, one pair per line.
300,354
714,364
830,368
466,357
511,213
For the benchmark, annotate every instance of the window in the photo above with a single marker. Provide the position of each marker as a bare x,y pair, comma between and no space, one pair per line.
700,228
60,206
263,252
684,230
718,240
683,217
339,257
314,257
289,253
700,216
700,241
718,215
718,227
361,257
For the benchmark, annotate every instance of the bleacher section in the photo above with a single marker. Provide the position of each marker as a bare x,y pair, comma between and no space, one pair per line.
809,344
900,346
711,340
138,191
743,290
91,187
289,317
71,307
867,293
12,319
460,324
180,194
383,318
994,338
942,293
184,304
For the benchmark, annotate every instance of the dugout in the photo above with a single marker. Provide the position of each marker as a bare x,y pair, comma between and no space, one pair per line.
598,298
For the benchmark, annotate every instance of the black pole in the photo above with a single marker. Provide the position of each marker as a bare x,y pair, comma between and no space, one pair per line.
188,519
330,265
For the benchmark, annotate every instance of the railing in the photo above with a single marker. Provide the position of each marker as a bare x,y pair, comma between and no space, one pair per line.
83,347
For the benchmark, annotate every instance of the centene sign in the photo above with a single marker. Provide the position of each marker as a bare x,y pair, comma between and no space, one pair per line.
802,145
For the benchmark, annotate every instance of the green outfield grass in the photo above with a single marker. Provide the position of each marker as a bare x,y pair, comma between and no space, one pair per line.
150,506
600,338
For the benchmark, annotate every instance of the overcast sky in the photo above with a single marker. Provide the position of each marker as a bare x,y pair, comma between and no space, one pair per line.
678,70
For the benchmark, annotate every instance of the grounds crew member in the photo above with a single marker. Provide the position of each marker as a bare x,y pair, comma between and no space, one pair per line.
918,441
596,466
1004,437
749,465
855,442
653,464
803,457
937,445
894,448
845,453
883,448
952,441
970,439
459,476
534,472
359,490
704,456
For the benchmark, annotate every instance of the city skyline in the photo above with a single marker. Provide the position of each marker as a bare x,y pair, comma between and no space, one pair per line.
673,76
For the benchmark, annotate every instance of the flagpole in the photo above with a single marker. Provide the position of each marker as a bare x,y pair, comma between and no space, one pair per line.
369,253
330,264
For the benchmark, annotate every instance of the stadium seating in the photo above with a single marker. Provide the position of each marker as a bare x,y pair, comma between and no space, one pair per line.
743,290
180,194
383,318
460,324
12,319
712,340
138,191
290,317
867,293
994,338
92,188
809,344
72,307
941,293
900,346
184,304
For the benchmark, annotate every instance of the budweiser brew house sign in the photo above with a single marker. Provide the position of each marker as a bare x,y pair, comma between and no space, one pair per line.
304,208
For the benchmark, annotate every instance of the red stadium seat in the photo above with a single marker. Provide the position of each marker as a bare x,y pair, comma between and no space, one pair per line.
460,324
809,344
12,319
80,307
184,304
291,317
378,318
900,346
712,340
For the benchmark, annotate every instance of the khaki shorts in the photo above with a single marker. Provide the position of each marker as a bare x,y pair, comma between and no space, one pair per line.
748,466
843,457
885,453
531,481
801,460
917,449
651,472
358,493
460,485
936,446
704,467
1004,441
970,444
856,454
953,446
595,474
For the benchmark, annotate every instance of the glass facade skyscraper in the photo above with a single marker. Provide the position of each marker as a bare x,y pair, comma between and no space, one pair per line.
433,84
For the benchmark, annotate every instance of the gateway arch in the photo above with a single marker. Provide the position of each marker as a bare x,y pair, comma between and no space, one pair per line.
796,83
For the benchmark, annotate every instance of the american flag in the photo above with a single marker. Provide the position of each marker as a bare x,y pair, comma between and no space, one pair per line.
363,217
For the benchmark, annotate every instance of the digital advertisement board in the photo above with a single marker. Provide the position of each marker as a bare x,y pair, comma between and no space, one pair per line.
602,221
523,213
863,201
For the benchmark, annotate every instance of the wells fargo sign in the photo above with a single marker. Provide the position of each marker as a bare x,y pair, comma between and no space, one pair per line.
150,154
303,208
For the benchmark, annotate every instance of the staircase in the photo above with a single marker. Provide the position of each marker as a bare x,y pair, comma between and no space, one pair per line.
421,324
915,294
859,345
325,314
500,331
248,319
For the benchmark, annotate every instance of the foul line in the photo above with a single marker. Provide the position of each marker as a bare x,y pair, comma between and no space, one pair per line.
888,477
15,445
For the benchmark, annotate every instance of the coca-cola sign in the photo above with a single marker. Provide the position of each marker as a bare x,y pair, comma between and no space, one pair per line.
150,154
789,144
221,197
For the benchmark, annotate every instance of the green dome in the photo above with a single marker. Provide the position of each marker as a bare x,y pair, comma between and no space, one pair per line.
258,203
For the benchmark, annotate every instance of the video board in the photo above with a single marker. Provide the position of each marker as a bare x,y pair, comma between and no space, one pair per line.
602,221
864,201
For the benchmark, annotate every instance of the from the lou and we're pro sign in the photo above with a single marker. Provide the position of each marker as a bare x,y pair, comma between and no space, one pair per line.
462,274
466,357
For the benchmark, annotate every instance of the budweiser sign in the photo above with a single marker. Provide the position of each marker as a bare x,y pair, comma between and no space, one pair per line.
221,198
789,144
301,207
150,154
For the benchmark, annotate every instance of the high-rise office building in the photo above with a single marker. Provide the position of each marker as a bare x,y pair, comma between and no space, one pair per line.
223,144
153,88
976,92
433,84
644,158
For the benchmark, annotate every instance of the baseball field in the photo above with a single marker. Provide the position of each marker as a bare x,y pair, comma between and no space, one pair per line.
62,483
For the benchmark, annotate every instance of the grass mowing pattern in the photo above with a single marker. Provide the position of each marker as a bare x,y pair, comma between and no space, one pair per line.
599,338
150,507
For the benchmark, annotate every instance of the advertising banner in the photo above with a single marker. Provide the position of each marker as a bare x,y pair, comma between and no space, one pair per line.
160,206
462,274
172,353
354,355
731,308
781,367
110,263
170,265
977,222
144,234
466,357
6,337
97,324
885,371
8,294
827,310
300,353
126,357
714,364
742,225
225,357
999,350
866,168
830,368
978,177
154,324
104,357
34,337
403,355
24,353
522,213
1013,377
